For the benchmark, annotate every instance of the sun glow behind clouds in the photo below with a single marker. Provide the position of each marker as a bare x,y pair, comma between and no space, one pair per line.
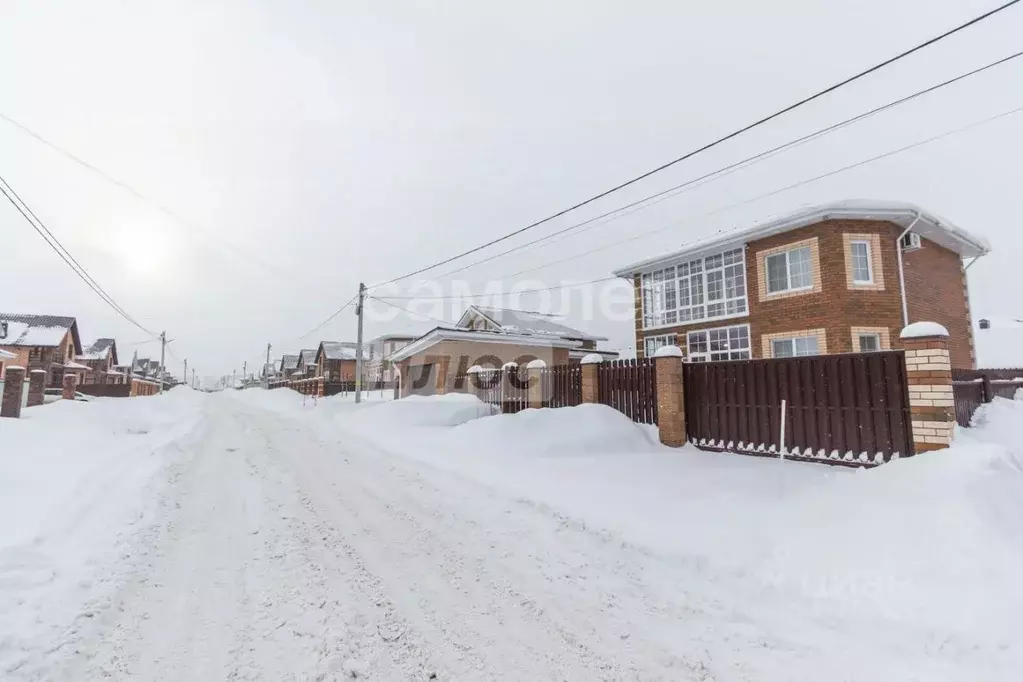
144,251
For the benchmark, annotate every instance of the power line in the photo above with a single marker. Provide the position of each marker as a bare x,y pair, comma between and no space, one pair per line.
706,178
40,227
569,285
674,224
332,316
170,213
713,144
409,312
772,193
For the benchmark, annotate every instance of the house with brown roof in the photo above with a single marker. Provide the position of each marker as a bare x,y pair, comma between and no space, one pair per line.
837,278
335,360
47,342
100,357
437,361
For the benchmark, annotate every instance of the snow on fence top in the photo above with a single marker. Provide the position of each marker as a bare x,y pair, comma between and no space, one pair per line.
668,352
919,330
592,359
536,364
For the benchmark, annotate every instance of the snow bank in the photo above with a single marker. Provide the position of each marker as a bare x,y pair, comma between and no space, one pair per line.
73,477
564,432
451,409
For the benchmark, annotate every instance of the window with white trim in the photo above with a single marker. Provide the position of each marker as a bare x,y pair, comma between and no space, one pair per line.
796,346
701,289
723,343
789,270
652,343
862,267
870,343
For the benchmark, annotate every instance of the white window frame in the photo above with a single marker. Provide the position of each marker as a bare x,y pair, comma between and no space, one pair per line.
788,271
684,288
875,335
705,356
870,261
661,340
792,341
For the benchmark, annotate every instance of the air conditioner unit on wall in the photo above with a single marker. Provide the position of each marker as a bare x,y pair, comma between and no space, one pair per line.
910,241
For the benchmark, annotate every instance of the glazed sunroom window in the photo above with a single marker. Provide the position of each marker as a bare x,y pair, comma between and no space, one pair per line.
701,289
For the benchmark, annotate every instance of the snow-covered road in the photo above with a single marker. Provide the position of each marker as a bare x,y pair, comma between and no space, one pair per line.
287,544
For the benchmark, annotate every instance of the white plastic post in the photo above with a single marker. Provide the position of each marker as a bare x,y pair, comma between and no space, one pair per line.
783,428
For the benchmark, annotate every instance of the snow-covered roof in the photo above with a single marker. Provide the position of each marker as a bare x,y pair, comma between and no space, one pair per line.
38,330
289,362
99,349
525,322
930,225
307,356
337,350
438,334
76,365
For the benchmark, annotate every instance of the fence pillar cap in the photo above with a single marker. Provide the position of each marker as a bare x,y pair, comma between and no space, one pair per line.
536,364
668,352
921,330
35,371
475,369
509,365
19,367
592,359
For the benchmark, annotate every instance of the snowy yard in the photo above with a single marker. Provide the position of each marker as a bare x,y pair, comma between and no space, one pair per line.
252,535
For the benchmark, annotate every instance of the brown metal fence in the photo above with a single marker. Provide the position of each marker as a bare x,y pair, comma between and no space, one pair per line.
849,408
506,388
971,388
630,387
562,385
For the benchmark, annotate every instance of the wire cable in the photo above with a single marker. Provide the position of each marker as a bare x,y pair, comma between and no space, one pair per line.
409,312
29,215
672,192
715,143
568,285
332,316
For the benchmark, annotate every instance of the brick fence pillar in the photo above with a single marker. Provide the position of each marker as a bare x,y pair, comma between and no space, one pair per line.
589,365
321,389
68,384
36,387
929,372
534,376
671,415
10,403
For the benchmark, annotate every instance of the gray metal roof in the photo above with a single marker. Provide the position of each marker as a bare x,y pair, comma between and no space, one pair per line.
34,330
531,323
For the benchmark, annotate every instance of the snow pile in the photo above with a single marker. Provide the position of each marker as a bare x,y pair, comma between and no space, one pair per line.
567,432
417,412
73,478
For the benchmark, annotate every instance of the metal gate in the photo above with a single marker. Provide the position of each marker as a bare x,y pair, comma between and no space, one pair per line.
422,379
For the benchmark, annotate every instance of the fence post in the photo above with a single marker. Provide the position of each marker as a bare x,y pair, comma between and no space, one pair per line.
68,384
534,377
985,384
508,369
472,378
929,373
589,366
36,387
671,414
13,386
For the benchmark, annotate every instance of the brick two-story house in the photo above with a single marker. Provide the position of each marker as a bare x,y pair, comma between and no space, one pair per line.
838,278
335,360
46,342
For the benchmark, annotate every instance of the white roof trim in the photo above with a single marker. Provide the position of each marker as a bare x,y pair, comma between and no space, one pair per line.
445,334
5,355
930,226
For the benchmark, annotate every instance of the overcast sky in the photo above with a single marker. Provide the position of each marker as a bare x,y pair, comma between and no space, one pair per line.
308,146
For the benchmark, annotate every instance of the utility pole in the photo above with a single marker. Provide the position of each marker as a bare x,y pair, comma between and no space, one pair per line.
233,381
193,378
266,367
163,349
184,379
245,370
358,344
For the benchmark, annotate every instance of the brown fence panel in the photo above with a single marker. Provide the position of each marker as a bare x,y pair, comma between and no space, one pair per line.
628,386
971,388
562,385
850,408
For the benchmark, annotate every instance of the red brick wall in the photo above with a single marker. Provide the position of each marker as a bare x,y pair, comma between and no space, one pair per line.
934,283
936,292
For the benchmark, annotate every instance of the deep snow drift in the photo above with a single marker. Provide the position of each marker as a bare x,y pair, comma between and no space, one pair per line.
73,484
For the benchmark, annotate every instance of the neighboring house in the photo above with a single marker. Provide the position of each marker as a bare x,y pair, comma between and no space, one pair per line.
306,363
838,278
288,365
335,360
100,355
378,367
436,362
46,342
